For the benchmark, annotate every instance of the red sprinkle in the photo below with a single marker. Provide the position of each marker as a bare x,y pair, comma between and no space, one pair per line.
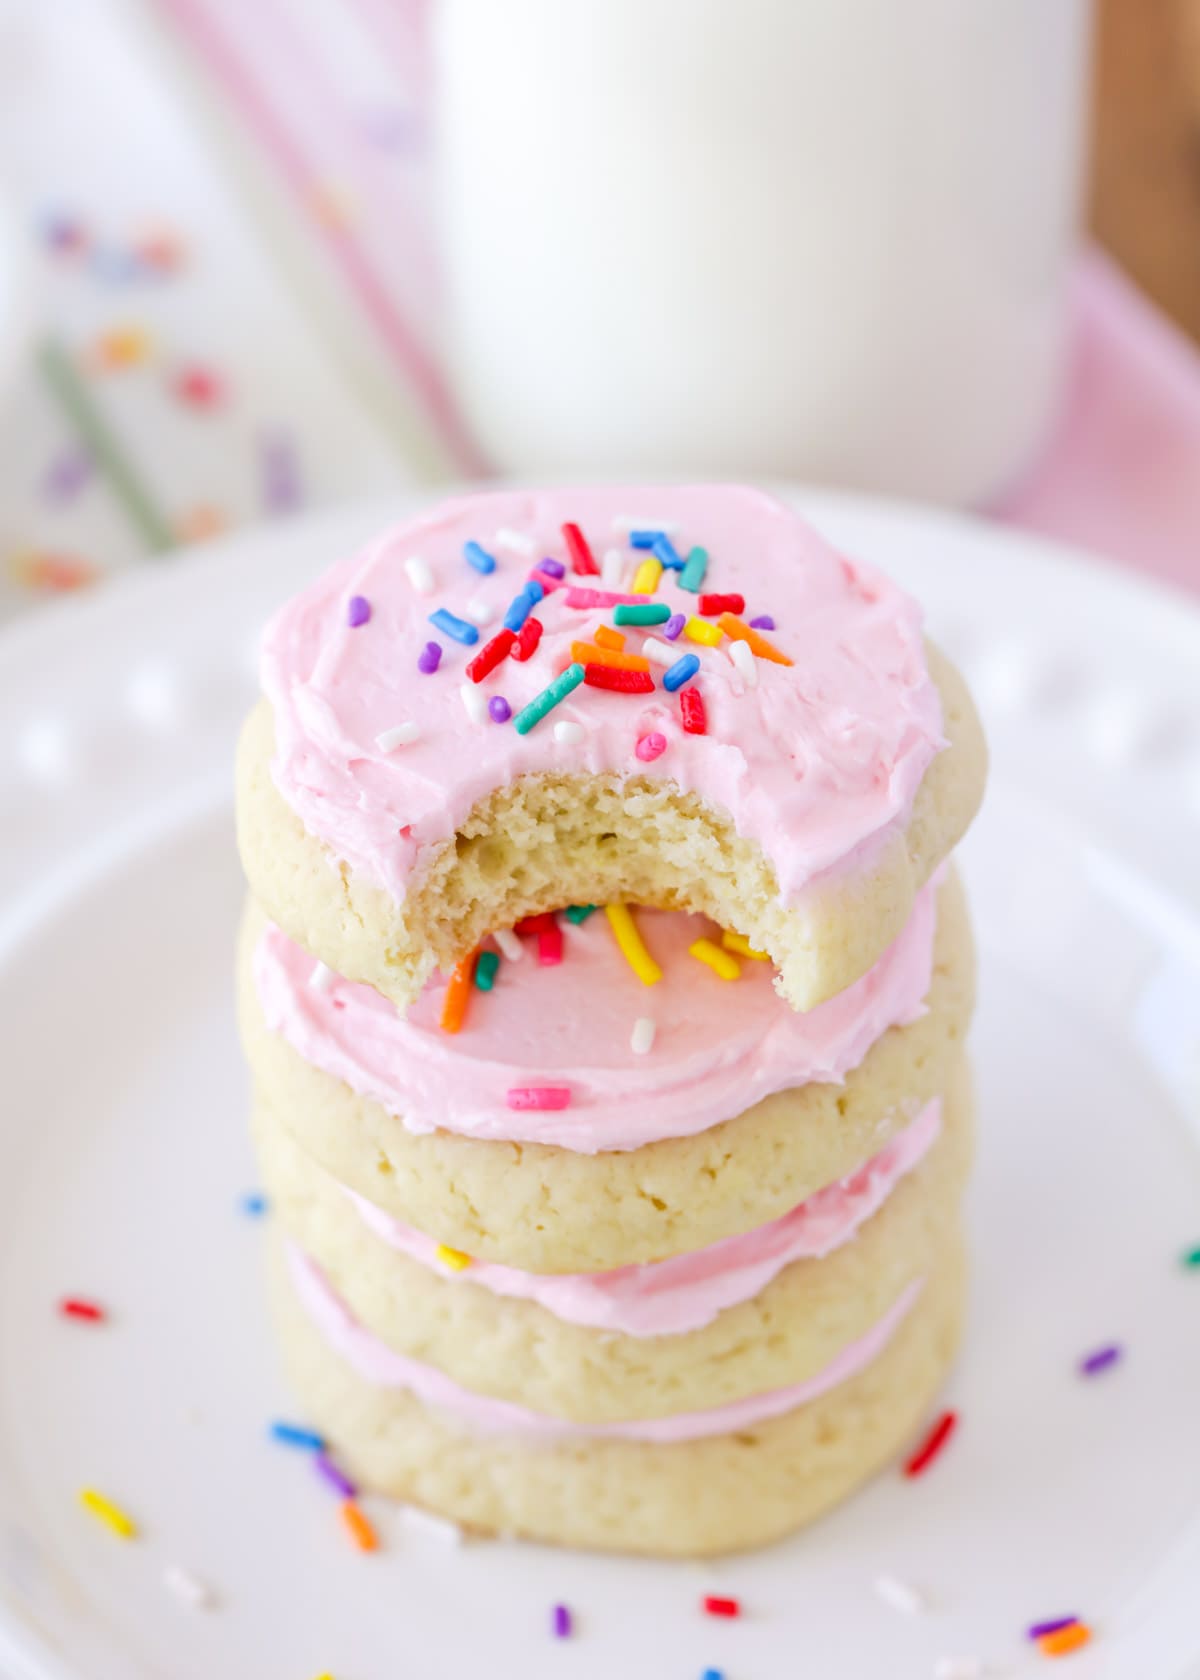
528,637
625,682
491,654
722,1606
582,558
535,924
691,709
550,945
198,387
932,1445
73,1307
712,606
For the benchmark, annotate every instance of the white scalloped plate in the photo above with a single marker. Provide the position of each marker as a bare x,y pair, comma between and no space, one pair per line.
123,1154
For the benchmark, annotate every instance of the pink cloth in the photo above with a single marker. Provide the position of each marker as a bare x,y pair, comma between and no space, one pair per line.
1121,474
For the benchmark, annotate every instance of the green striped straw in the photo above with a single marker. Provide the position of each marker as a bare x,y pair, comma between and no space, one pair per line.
105,448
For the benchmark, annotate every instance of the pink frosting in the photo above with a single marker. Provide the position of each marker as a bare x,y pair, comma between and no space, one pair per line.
384,1368
814,762
670,1297
720,1045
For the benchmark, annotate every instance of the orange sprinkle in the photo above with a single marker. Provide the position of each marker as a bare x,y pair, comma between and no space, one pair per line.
738,631
201,522
583,653
55,573
607,637
121,347
361,1532
1064,1640
454,1004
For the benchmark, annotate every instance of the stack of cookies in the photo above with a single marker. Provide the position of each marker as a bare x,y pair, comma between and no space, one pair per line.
605,983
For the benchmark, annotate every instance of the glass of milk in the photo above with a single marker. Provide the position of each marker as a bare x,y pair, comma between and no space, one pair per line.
825,239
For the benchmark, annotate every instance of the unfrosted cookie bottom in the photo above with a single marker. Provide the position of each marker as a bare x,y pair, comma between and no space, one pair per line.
723,1493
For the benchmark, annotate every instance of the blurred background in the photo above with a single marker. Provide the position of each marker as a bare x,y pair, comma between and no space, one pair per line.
256,259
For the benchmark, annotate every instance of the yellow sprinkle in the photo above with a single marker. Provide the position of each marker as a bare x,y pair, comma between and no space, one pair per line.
645,579
719,961
620,920
109,1514
452,1257
699,630
739,943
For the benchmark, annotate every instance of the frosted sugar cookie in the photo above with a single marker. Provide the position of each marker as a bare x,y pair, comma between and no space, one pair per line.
737,1112
695,1484
763,1311
678,697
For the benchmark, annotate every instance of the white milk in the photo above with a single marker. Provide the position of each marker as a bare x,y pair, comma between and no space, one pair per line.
814,238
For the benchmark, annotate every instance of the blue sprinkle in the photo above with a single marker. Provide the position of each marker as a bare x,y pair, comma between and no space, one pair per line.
554,568
681,672
458,628
520,607
713,1674
644,539
479,558
764,621
666,552
253,1204
291,1435
535,590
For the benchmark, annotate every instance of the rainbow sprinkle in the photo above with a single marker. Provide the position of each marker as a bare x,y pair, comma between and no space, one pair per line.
111,1515
577,913
560,1622
292,1435
499,709
458,992
538,1097
430,658
714,1606
88,1312
486,966
1103,1359
693,573
456,628
358,1527
696,630
681,672
337,1478
650,747
1065,1640
738,942
649,612
646,578
932,1445
479,558
552,695
453,1258
725,966
641,1039
629,942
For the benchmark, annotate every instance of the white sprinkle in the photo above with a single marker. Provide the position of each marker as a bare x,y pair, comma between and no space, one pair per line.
419,575
661,653
515,541
626,522
434,1528
189,1589
747,665
958,1668
511,948
475,701
401,735
612,568
321,978
481,611
899,1595
641,1040
567,733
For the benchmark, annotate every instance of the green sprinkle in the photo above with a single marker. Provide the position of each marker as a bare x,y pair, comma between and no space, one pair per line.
580,912
548,699
486,965
1191,1258
641,612
692,575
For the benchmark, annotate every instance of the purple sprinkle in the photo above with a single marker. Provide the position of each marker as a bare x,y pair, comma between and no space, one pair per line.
674,625
499,708
358,611
336,1478
430,657
280,472
1099,1361
66,476
562,1622
554,567
764,621
1040,1629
